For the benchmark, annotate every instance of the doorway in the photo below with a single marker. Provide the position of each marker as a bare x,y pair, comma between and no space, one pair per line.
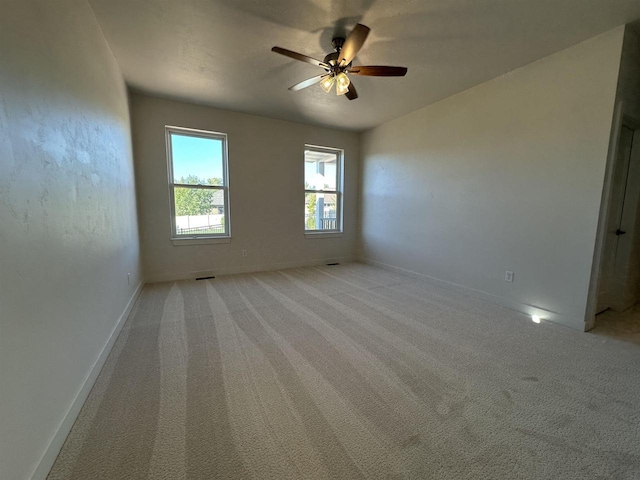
618,233
619,278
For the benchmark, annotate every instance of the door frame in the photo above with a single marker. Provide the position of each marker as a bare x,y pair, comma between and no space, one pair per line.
619,119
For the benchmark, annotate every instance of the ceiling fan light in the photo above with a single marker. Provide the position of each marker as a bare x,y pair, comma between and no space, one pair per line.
341,89
342,83
327,82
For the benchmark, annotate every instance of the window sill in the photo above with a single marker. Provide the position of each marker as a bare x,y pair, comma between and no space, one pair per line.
323,234
179,242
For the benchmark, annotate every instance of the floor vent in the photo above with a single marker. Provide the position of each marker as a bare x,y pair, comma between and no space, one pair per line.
204,278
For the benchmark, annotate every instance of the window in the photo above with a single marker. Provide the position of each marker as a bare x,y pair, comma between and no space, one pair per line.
198,183
322,189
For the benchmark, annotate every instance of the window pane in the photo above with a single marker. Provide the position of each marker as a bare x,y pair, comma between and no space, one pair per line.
320,170
199,211
320,211
197,160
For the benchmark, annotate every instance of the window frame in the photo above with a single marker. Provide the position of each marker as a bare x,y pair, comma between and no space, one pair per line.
192,132
338,192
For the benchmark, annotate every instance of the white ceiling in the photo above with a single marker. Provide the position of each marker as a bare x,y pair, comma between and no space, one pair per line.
217,52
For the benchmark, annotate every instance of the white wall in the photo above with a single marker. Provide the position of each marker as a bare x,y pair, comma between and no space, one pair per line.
266,165
507,175
68,233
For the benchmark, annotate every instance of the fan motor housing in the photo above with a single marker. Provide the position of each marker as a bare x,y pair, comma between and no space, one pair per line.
332,58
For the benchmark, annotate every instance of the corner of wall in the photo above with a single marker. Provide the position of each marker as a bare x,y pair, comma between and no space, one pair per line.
57,440
471,205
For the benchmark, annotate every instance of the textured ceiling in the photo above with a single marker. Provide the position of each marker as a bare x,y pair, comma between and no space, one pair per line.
217,52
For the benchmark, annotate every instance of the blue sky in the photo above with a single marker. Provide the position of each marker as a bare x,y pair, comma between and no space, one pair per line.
196,156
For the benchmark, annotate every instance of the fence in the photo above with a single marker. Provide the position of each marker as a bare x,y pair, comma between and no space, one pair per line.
200,230
326,223
197,221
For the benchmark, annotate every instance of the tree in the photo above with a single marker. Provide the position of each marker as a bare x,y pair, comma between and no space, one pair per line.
195,201
310,201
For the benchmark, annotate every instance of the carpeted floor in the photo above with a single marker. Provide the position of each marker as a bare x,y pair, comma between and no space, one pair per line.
621,325
350,372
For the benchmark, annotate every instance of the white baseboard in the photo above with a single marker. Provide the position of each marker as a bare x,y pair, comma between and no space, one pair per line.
55,444
171,277
547,315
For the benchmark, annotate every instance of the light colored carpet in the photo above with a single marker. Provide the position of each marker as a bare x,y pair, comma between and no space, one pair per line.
351,372
621,325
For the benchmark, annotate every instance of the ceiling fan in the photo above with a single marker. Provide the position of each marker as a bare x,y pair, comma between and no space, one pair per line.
338,64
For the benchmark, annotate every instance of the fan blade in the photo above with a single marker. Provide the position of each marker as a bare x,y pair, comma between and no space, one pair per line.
351,94
307,83
353,44
379,71
300,57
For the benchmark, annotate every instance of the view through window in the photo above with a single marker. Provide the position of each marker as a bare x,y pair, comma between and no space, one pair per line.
198,183
322,183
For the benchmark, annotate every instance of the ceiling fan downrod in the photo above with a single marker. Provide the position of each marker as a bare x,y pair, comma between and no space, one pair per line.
337,43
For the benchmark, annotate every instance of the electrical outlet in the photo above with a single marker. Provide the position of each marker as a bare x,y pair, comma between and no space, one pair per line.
128,279
508,276
244,253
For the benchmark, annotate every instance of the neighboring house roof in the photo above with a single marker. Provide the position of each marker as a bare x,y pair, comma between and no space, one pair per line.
218,198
